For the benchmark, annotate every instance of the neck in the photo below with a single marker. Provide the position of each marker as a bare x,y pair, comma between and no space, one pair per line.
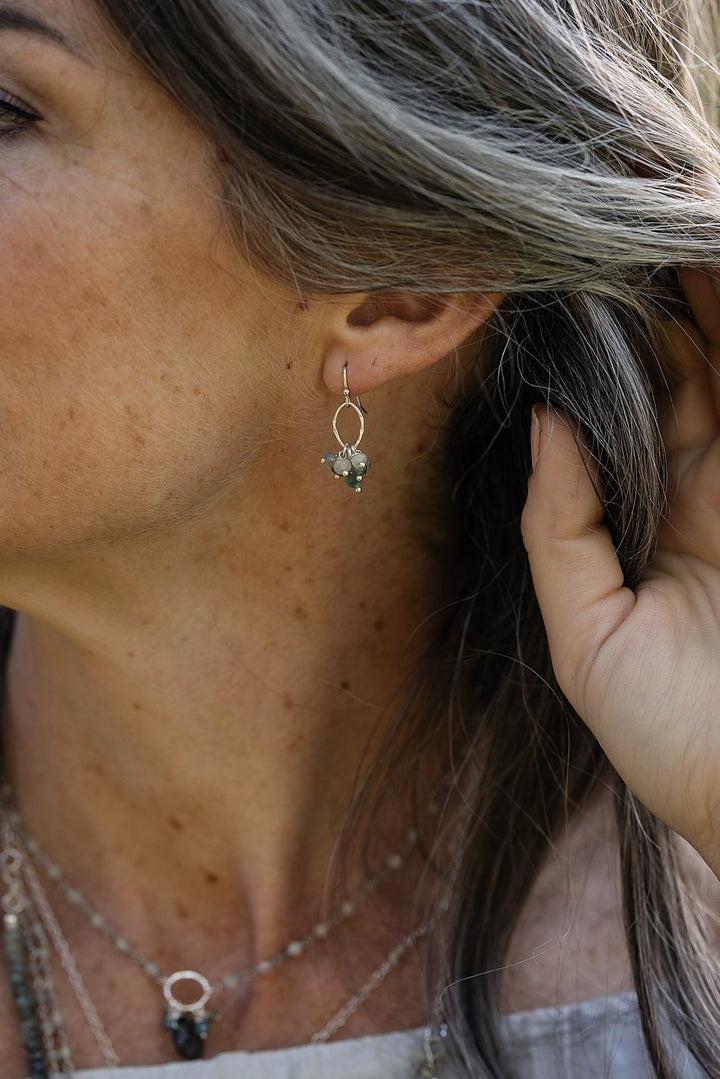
196,728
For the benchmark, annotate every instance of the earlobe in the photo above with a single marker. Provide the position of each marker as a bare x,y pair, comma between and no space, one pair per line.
385,336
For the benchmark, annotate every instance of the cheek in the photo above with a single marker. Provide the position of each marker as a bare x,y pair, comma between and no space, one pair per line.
121,360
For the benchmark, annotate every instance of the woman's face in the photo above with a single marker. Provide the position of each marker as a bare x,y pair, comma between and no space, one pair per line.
139,356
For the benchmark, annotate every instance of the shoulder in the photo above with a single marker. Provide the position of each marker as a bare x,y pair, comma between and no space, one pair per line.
569,945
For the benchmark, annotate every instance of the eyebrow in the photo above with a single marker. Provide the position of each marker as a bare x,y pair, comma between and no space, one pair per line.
14,19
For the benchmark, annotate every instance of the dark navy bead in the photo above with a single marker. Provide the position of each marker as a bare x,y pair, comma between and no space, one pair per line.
187,1039
24,1001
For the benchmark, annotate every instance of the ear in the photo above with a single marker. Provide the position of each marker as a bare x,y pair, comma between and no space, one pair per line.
381,336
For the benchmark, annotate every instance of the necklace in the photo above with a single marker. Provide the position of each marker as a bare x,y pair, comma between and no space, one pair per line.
368,988
189,1023
434,1036
432,1050
49,925
42,1026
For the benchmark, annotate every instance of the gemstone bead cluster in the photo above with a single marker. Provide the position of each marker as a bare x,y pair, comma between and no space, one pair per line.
349,464
189,1031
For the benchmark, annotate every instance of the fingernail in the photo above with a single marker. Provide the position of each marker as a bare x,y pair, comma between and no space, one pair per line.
534,436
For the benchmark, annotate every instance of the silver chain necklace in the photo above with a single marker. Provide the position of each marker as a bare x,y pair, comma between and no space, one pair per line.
189,1023
47,1026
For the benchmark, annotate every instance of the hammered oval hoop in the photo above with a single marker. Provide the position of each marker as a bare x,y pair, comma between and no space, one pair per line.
338,410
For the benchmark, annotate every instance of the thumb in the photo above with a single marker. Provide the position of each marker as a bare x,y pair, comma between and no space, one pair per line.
576,572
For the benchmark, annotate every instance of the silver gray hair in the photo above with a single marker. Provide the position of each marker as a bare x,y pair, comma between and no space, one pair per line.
559,151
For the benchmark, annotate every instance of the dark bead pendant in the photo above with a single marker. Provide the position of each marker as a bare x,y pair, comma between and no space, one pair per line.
189,1032
186,1039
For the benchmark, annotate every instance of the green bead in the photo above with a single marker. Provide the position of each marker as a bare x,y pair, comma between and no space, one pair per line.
359,462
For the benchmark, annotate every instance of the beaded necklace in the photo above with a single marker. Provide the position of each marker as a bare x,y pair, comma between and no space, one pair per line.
29,922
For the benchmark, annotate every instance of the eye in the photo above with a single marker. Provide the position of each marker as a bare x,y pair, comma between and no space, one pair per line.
14,115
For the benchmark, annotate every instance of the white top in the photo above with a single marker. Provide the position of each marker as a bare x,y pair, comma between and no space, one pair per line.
597,1039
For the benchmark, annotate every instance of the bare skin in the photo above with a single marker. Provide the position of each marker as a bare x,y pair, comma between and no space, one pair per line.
211,627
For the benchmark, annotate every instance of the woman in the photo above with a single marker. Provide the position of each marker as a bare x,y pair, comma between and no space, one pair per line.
298,757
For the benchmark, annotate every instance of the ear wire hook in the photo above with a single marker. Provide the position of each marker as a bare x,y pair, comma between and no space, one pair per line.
346,391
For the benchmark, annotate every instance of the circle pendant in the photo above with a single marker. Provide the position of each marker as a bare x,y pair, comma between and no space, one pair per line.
187,976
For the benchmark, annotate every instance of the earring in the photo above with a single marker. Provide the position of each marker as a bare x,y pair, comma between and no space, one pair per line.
348,464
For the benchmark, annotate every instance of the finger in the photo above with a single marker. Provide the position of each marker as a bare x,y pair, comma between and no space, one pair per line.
577,576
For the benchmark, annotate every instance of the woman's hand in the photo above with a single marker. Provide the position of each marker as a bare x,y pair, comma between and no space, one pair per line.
642,667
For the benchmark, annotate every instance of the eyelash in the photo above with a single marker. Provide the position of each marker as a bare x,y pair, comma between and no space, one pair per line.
14,115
